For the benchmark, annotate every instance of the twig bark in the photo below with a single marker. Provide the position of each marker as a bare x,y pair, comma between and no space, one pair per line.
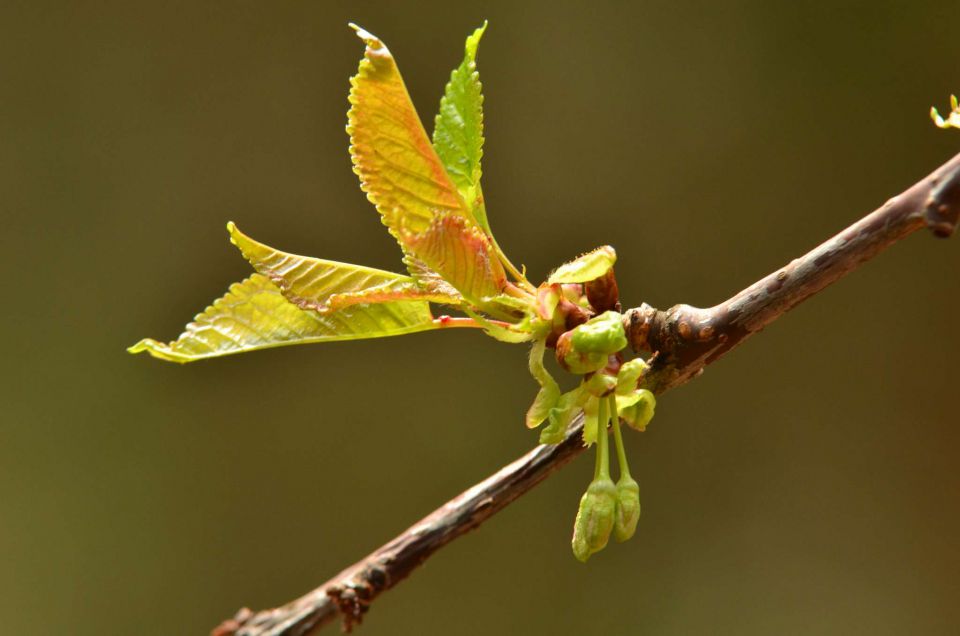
686,338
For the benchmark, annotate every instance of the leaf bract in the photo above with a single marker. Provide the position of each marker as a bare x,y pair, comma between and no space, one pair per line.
585,268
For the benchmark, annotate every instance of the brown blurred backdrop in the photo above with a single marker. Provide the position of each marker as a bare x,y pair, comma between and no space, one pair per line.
806,484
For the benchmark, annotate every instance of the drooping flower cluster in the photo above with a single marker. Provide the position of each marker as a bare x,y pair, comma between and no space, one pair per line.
579,305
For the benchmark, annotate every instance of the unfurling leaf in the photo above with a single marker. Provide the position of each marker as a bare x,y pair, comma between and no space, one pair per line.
586,267
407,182
255,315
458,129
324,286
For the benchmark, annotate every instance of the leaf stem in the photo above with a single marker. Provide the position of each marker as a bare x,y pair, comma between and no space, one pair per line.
459,321
511,268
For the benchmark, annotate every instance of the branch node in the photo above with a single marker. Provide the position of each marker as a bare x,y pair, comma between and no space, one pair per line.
942,207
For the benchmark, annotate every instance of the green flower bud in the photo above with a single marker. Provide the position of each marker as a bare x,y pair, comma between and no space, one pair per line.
595,518
601,334
637,408
628,508
576,361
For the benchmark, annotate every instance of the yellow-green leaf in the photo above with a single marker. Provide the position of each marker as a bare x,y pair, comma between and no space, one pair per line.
255,315
324,286
585,268
458,130
462,254
405,179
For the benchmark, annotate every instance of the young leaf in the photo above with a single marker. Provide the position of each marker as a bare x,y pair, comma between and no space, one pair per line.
464,254
458,130
585,268
406,181
255,315
324,286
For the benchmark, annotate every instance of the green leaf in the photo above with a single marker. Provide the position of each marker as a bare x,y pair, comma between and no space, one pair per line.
585,268
458,129
324,286
255,315
406,181
549,393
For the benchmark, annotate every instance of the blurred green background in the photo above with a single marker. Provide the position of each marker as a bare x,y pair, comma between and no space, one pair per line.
806,484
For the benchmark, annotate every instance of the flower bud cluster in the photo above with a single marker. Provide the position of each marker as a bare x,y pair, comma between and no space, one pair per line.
581,321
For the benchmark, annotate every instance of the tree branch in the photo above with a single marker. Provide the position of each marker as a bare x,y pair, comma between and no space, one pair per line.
686,338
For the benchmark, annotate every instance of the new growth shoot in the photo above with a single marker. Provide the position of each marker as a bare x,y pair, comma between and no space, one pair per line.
428,194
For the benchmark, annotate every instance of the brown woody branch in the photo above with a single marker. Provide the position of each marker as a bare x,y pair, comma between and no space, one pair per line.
687,340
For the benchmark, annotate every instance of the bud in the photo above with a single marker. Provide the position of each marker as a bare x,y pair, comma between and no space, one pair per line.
557,311
602,293
576,361
601,334
595,518
637,409
628,508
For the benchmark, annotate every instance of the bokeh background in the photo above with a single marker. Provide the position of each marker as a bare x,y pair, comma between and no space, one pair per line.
806,484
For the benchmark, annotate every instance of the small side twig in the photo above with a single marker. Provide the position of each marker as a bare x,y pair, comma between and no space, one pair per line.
686,340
